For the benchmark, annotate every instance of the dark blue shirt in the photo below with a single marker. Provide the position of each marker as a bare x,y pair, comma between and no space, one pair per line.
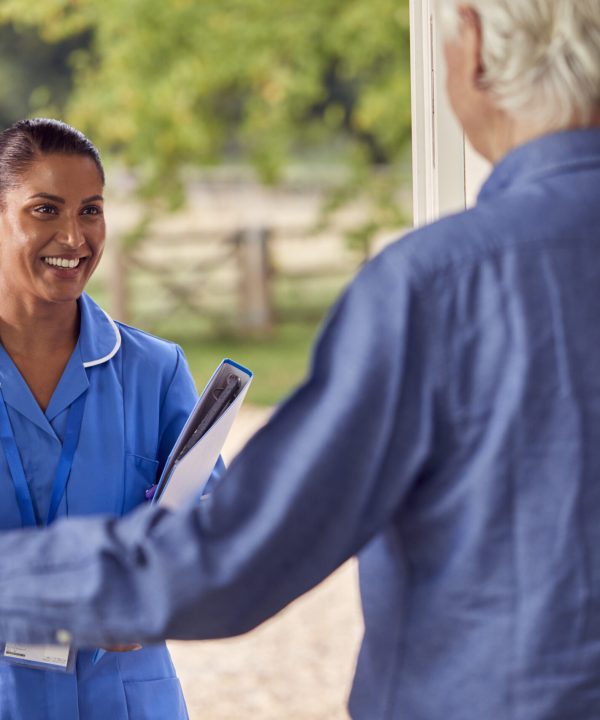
448,431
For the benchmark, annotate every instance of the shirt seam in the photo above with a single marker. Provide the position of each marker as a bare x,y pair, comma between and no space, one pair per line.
400,645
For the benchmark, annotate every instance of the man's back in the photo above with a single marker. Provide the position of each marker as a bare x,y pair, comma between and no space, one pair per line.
482,598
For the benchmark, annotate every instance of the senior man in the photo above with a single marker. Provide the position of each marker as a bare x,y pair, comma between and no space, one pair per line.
448,431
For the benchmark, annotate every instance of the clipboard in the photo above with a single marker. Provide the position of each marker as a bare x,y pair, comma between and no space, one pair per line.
197,449
199,444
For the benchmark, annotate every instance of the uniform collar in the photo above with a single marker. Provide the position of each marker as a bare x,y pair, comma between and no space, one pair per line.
99,341
17,394
99,336
548,155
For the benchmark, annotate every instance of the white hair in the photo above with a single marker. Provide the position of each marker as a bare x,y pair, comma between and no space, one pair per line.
541,58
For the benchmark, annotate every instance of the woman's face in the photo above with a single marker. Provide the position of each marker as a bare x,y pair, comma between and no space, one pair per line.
52,229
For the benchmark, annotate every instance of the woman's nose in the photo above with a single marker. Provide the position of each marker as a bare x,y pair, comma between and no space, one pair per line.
70,235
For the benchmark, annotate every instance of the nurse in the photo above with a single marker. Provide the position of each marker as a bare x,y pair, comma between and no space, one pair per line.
89,409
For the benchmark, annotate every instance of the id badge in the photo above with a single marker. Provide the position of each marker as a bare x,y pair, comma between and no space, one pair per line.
56,658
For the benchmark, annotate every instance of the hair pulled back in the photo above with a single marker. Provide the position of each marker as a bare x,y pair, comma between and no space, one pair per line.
27,140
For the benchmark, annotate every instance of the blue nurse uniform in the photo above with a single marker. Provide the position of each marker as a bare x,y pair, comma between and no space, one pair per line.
138,394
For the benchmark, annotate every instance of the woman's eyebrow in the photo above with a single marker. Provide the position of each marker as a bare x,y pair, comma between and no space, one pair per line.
56,198
47,196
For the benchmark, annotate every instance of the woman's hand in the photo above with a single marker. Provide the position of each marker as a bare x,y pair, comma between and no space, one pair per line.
122,648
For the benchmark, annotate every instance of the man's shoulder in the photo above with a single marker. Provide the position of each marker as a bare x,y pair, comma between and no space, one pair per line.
455,241
430,249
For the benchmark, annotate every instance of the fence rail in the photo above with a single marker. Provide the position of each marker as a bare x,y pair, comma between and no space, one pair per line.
245,278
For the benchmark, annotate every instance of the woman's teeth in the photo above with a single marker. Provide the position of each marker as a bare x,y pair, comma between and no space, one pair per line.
62,262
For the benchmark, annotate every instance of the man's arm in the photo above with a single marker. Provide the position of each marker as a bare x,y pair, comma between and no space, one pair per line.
309,490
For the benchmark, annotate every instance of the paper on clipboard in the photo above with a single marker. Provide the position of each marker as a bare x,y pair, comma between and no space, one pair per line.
185,476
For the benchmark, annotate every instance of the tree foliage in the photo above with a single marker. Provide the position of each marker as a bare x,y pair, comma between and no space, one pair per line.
165,84
32,71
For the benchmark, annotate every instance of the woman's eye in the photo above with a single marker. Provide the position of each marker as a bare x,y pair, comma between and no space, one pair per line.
46,209
92,210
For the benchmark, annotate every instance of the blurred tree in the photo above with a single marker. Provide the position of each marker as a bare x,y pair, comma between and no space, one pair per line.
32,71
166,84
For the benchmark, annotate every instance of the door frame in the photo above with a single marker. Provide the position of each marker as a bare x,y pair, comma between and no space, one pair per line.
447,173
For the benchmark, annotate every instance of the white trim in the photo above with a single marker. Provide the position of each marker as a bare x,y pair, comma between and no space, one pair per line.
115,349
445,175
423,136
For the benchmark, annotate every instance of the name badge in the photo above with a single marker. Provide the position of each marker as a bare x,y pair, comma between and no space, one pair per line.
44,657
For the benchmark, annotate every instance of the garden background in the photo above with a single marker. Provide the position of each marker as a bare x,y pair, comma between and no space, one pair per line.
257,154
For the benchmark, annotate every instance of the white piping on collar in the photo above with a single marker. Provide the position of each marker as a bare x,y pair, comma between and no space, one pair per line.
115,349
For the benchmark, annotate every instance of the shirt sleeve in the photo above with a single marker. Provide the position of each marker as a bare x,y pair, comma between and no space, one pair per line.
329,470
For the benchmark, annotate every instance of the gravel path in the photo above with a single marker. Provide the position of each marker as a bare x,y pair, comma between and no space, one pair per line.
297,666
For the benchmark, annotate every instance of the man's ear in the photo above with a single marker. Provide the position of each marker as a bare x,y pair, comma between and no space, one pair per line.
472,37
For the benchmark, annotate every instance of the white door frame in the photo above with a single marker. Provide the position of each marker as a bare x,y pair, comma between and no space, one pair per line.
446,172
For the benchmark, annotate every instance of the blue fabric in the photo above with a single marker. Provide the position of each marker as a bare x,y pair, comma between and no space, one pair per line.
447,431
138,393
63,467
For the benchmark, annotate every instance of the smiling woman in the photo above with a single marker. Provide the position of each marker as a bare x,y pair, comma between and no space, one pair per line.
89,410
51,239
52,225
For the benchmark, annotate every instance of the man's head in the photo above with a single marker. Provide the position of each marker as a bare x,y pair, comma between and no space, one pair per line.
521,68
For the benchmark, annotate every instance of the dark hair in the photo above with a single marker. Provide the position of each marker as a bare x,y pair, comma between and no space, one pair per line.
24,142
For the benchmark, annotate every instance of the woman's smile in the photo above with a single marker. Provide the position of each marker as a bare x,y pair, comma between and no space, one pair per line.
62,262
65,266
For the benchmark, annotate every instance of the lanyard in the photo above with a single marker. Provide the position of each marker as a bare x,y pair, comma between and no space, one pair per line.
63,469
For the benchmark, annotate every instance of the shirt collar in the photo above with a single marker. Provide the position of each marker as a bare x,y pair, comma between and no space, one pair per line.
72,383
99,336
547,155
99,341
18,395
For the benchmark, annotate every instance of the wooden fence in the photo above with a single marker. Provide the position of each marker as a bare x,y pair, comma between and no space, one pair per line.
244,279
